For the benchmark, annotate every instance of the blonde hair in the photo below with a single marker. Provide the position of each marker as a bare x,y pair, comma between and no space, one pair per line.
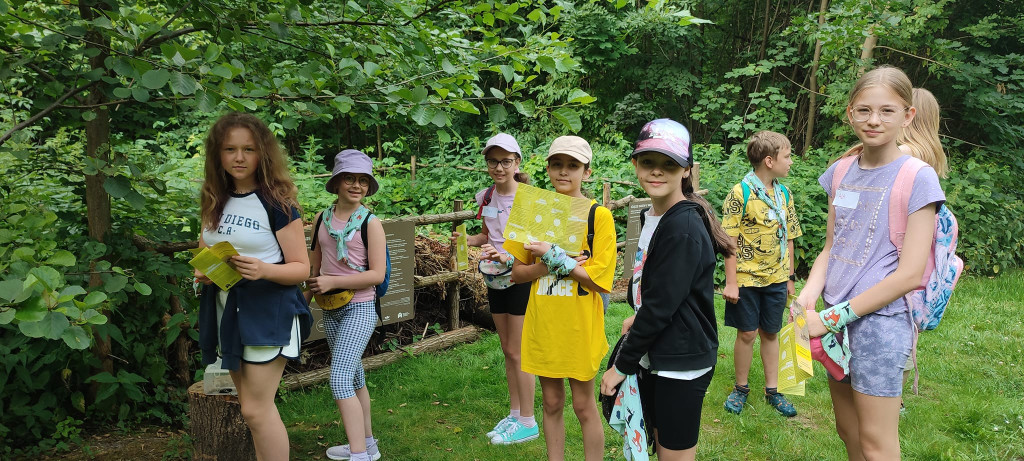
922,136
764,144
890,78
272,177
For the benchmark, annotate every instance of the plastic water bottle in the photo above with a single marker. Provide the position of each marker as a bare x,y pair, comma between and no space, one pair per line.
217,381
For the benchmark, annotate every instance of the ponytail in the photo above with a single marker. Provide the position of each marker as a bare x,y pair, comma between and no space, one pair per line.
721,241
521,177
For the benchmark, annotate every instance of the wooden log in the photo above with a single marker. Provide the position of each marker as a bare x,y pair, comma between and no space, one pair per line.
421,281
606,194
438,218
445,340
216,426
453,287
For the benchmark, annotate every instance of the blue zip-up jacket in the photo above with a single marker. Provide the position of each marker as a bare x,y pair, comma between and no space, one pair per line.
257,313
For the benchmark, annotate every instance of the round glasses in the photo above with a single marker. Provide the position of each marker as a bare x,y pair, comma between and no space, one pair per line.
505,163
885,114
350,179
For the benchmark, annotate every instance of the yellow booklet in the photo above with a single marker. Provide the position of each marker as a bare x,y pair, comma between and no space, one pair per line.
215,263
461,249
795,364
540,215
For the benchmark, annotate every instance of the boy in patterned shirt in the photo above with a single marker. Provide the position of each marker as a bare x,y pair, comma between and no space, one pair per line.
759,214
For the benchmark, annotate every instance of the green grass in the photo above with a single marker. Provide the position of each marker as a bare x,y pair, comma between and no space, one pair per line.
970,407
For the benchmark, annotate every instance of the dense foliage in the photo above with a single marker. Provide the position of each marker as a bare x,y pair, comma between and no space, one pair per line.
105,105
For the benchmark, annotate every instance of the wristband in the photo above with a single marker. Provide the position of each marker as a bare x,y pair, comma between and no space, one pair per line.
837,317
511,260
558,262
617,371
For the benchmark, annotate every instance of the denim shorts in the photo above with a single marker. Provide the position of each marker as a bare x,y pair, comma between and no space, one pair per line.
879,348
758,308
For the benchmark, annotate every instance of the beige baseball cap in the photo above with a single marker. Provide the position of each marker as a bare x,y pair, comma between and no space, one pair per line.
573,146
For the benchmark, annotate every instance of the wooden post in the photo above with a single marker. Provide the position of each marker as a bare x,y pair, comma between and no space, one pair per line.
453,287
380,151
607,194
216,426
695,176
412,170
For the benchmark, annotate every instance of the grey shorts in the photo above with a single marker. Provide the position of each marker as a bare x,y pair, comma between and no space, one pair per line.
880,346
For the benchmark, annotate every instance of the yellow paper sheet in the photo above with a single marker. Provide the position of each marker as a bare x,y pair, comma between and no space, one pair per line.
214,263
795,365
461,248
540,215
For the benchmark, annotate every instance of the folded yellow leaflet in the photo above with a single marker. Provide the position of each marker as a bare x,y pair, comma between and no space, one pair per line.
540,215
795,365
214,262
461,248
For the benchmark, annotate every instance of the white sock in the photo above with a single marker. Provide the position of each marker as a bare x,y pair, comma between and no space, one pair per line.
370,441
527,421
514,413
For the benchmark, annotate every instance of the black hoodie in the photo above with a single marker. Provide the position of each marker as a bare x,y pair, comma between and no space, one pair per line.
676,325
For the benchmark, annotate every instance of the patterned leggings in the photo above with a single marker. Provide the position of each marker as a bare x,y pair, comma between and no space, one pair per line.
348,331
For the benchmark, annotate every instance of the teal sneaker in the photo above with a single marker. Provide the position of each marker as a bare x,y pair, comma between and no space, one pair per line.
516,433
779,402
501,426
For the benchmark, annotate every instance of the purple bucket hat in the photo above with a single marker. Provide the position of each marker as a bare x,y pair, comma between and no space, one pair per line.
352,161
668,137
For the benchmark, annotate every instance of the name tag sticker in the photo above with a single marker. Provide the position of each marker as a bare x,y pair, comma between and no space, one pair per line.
490,212
846,199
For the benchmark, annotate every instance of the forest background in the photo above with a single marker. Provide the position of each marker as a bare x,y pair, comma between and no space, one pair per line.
105,104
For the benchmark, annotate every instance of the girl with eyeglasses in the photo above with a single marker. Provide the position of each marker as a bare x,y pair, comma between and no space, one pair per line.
866,326
506,300
348,265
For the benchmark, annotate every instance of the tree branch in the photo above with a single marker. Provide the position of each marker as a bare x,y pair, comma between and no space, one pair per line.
39,70
145,42
43,112
428,11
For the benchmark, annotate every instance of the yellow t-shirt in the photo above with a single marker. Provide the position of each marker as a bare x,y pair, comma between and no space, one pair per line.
758,262
563,332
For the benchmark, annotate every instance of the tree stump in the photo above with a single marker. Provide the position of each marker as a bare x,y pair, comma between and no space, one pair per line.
217,429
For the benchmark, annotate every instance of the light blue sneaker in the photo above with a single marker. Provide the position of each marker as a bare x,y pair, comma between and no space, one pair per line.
501,426
516,433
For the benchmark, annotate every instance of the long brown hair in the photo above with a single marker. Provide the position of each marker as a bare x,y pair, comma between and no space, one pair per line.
272,178
721,241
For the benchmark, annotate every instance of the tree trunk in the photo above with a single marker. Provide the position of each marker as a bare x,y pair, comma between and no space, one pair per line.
812,107
868,50
216,426
97,146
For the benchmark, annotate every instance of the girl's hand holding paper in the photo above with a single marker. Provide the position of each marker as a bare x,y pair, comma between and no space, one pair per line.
250,268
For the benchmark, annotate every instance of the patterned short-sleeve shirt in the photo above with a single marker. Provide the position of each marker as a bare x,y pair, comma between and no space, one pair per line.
758,258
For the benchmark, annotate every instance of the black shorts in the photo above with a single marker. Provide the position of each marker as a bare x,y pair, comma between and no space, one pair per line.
758,307
672,406
511,300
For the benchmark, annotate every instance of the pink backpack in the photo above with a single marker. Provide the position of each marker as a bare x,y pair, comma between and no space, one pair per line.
928,301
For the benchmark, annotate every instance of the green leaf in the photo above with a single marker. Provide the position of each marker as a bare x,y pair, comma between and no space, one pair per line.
508,72
69,292
6,316
371,68
94,298
421,115
497,93
183,84
568,117
222,71
53,325
419,94
547,64
117,186
155,79
62,258
343,104
527,108
464,106
140,94
32,310
88,115
448,67
122,92
142,288
10,289
135,199
208,100
444,137
93,317
115,283
34,329
49,277
497,113
76,338
581,97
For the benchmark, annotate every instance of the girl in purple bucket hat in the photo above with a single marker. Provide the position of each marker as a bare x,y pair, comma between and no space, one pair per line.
347,263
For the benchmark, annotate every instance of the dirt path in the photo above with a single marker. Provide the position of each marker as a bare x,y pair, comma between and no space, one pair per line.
147,444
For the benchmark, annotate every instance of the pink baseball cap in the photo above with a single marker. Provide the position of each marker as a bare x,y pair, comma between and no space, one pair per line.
665,136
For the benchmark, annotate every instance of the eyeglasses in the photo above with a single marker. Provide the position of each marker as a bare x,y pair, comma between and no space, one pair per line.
349,179
505,163
885,114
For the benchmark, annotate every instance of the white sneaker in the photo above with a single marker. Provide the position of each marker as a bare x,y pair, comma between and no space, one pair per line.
345,452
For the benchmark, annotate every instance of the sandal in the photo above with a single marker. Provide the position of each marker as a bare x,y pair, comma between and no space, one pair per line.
779,402
738,398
